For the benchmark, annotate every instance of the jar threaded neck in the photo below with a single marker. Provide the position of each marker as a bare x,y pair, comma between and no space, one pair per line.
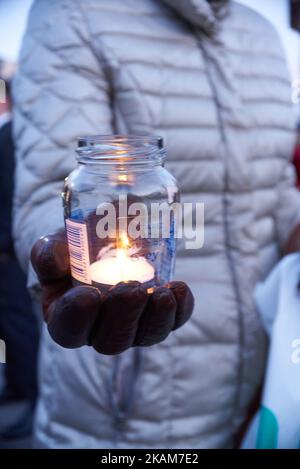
121,149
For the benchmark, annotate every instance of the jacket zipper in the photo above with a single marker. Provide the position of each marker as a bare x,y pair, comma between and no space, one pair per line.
225,211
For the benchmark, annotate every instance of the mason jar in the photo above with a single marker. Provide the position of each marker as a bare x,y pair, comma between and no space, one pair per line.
119,212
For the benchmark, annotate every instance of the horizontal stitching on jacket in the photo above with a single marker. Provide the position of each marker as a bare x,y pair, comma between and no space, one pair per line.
190,39
277,157
196,160
131,12
233,194
184,40
161,65
168,94
268,188
214,160
251,31
263,100
200,69
201,126
201,191
260,54
265,76
259,100
212,192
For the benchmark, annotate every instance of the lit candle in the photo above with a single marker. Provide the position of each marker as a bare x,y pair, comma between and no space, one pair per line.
121,268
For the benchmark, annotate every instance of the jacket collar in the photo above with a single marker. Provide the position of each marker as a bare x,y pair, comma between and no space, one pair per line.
205,14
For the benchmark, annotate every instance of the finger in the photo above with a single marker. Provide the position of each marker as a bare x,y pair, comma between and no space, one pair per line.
158,318
73,316
117,325
185,302
52,292
50,257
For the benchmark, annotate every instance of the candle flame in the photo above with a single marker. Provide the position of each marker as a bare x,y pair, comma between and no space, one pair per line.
122,177
124,241
122,249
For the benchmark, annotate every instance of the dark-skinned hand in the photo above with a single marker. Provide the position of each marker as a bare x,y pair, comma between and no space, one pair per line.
111,322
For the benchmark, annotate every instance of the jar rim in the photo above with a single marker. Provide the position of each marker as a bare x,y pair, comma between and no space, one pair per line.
136,149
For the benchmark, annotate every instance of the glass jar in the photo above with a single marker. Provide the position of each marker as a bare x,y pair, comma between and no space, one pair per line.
118,209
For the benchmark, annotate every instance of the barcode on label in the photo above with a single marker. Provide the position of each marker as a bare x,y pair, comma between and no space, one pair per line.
78,250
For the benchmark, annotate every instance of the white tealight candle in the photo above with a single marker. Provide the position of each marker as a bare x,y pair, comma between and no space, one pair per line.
112,270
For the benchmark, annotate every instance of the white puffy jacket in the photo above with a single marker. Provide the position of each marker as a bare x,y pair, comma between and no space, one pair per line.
211,78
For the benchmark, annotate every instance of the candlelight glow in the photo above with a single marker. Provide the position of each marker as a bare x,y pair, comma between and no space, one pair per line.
122,177
121,267
124,241
122,254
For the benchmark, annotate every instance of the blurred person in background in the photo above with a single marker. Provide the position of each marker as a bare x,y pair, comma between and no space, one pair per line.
211,78
18,325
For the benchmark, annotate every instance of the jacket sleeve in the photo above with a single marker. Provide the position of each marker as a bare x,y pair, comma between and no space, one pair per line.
60,93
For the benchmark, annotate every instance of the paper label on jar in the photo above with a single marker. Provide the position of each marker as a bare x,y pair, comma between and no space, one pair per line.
78,250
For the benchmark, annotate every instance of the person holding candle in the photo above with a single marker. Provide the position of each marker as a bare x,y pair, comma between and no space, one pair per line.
124,316
210,77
